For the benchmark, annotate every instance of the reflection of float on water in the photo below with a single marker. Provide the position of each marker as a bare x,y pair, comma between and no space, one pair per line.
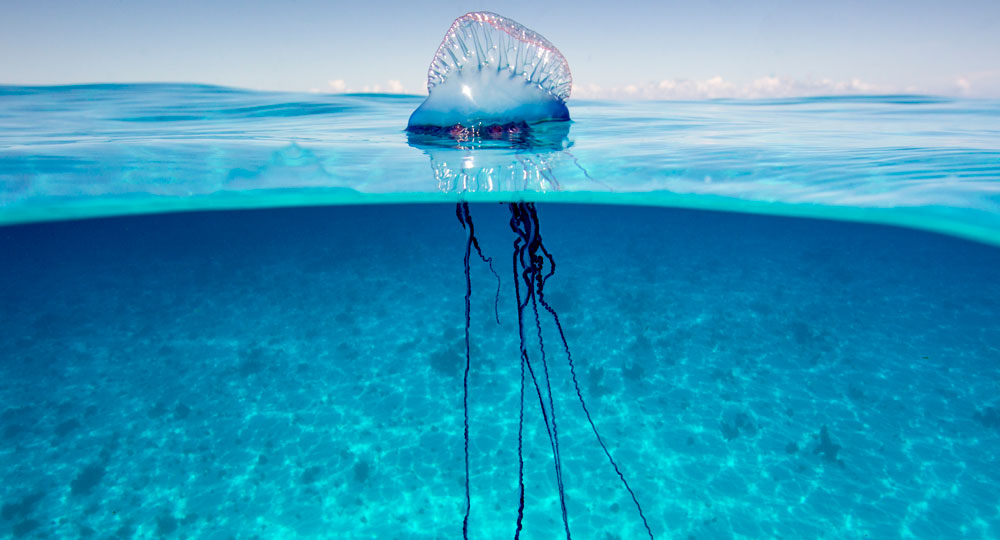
506,158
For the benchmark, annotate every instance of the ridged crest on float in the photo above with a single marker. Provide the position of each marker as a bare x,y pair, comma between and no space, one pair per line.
484,40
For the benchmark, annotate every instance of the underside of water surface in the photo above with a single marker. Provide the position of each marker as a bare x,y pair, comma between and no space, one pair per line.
100,150
297,373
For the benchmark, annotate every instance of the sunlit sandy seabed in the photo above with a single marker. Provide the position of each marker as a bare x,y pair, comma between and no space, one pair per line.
296,373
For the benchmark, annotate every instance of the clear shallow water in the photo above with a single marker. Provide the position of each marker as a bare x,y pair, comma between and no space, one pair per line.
917,161
297,372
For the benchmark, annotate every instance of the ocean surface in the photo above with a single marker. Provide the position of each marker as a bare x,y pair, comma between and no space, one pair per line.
230,314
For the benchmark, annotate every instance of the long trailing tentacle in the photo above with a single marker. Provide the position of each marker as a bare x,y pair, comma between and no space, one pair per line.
526,245
468,364
572,369
586,412
520,418
529,260
537,281
466,219
554,437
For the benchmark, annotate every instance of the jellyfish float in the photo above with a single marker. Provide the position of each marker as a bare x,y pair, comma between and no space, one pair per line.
496,84
492,77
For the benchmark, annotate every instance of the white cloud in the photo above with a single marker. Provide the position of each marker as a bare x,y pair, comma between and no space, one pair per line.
963,85
718,87
395,87
338,86
978,84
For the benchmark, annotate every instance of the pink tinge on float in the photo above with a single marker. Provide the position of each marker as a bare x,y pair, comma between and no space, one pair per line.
491,70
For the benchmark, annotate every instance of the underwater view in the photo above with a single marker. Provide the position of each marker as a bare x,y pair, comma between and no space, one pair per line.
297,372
496,311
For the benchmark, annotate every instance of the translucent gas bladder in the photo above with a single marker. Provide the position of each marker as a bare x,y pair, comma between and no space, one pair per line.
492,77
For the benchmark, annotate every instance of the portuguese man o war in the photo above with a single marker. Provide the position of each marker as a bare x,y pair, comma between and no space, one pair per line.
494,80
492,77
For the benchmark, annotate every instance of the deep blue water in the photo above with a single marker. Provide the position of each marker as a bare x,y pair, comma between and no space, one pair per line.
296,371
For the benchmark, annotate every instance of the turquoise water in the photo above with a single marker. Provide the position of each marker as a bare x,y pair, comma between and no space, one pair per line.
294,369
97,150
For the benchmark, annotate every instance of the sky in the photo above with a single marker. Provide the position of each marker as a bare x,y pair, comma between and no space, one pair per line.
618,49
